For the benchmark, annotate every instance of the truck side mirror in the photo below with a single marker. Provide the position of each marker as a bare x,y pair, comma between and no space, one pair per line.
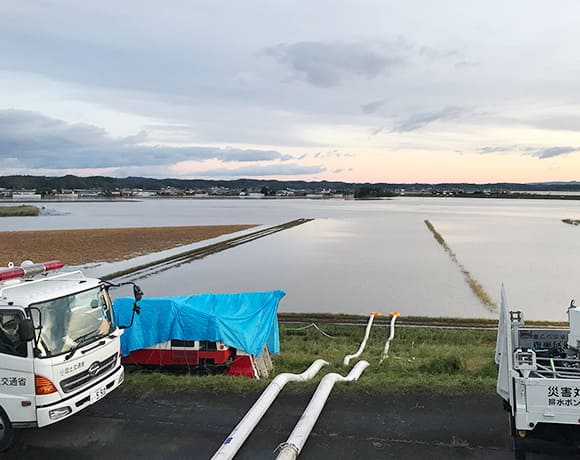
137,293
26,330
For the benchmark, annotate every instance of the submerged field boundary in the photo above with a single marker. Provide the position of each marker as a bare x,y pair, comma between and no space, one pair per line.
200,253
17,211
474,285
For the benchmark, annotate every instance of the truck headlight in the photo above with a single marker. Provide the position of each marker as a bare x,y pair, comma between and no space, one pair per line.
55,414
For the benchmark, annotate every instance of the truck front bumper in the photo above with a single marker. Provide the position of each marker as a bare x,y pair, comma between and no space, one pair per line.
52,413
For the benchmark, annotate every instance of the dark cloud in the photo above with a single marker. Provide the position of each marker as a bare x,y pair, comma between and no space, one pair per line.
328,154
420,120
281,169
539,152
555,151
376,131
326,64
32,140
498,149
372,107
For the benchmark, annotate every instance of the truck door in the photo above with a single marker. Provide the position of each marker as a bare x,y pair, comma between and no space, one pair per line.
17,395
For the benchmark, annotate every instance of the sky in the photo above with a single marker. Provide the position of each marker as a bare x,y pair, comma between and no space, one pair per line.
356,91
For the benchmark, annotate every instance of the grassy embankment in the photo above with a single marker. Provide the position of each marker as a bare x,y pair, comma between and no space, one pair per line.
13,211
420,358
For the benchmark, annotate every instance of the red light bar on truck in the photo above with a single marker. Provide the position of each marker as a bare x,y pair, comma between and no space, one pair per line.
28,269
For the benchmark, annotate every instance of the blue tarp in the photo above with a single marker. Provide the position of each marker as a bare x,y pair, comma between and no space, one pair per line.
246,321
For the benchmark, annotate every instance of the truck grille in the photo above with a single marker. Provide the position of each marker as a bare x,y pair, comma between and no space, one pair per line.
78,380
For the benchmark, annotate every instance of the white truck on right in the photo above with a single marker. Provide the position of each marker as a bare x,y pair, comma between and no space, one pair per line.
539,378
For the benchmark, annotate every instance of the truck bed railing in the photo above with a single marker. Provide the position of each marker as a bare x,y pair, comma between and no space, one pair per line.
558,368
530,365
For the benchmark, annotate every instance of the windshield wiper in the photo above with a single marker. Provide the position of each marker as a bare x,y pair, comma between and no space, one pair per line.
85,338
81,341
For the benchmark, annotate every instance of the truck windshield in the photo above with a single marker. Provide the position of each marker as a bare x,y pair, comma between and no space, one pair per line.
72,321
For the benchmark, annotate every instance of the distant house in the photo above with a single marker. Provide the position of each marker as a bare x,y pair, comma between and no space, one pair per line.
26,195
89,193
67,194
144,193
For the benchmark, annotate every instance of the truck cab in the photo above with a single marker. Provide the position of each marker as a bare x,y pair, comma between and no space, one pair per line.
59,346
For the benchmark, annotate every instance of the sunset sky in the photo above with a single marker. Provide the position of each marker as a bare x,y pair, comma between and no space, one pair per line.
357,91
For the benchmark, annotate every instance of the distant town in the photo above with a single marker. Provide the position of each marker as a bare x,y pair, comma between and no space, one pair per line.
36,188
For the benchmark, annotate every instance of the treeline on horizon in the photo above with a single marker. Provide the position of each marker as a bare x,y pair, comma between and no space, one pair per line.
49,183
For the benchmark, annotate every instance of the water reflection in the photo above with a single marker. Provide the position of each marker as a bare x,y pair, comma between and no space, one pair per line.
357,257
356,265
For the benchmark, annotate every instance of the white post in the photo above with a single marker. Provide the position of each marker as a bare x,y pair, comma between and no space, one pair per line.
240,433
292,447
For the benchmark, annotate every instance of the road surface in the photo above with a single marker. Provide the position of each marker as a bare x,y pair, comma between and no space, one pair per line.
193,426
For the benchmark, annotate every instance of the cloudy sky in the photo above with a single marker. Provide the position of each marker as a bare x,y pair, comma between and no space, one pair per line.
378,91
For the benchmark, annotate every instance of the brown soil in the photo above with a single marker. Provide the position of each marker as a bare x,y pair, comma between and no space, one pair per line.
75,247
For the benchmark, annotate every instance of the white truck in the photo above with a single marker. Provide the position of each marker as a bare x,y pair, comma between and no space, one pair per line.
539,379
59,345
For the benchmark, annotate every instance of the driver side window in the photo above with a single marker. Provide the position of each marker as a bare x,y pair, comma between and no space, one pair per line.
10,342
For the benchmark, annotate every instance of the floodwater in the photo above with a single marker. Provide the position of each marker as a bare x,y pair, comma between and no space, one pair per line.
363,256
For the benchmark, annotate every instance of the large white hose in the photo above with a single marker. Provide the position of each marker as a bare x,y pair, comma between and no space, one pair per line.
394,316
240,433
293,446
364,341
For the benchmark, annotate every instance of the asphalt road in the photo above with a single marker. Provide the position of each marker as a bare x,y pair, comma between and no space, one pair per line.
193,426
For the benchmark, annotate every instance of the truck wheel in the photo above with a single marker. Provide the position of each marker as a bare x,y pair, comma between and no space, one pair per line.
518,443
519,448
6,431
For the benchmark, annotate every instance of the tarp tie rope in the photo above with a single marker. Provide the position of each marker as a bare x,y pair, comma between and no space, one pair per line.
311,325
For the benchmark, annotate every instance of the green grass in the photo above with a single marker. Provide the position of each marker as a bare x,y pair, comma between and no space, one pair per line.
23,210
420,359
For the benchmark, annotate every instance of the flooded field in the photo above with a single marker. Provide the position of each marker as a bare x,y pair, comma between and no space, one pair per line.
360,256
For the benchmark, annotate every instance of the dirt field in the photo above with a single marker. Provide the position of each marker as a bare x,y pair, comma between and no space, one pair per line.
76,247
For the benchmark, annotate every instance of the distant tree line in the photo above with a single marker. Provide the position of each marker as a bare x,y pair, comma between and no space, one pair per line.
372,192
46,184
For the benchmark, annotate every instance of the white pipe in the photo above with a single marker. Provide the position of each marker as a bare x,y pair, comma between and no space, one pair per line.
394,316
292,447
240,433
364,341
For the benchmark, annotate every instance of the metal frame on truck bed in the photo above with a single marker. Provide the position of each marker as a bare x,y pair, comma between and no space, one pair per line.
539,378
